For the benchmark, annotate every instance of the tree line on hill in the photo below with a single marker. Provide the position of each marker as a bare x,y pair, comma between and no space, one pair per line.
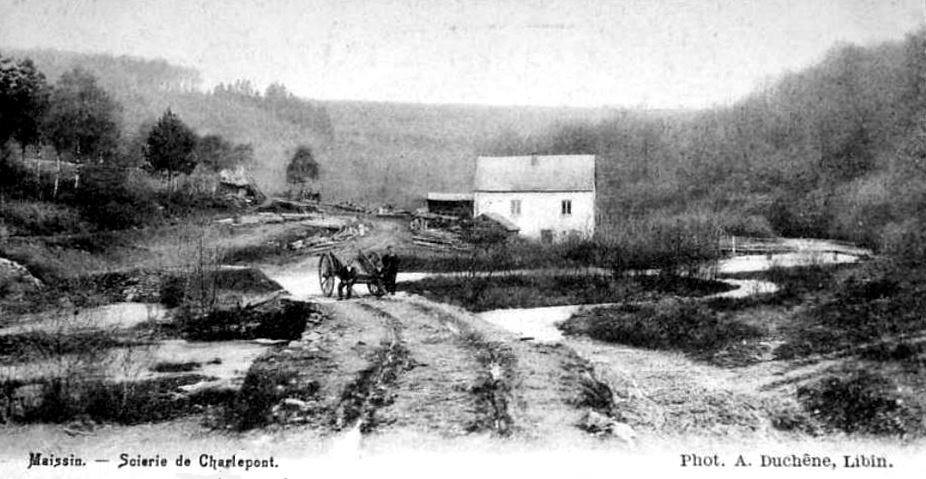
81,123
837,150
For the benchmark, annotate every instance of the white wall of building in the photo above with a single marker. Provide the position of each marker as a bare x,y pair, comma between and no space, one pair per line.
542,211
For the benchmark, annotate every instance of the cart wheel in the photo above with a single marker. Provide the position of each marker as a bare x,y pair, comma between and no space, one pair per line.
377,288
326,274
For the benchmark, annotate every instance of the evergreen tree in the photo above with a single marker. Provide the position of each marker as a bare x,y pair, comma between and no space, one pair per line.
170,146
302,168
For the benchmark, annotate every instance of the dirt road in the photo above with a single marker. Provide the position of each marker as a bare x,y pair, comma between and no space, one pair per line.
405,370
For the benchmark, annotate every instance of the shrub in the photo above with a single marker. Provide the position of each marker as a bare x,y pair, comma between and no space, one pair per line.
902,352
39,218
905,242
669,324
173,291
282,319
264,386
879,300
671,243
105,199
170,367
746,225
862,402
63,399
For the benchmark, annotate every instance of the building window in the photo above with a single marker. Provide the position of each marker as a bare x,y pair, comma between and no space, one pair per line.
515,207
566,207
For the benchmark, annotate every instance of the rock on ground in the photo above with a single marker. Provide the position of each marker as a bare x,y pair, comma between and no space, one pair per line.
15,279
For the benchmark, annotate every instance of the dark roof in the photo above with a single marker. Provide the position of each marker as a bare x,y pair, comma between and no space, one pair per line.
433,196
535,173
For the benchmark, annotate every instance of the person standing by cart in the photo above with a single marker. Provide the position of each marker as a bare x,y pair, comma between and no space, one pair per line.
390,270
348,276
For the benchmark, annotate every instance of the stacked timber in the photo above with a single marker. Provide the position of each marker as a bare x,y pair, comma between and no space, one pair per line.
439,240
321,243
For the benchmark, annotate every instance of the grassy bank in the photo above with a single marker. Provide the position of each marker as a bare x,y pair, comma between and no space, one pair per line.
670,324
522,291
868,398
873,309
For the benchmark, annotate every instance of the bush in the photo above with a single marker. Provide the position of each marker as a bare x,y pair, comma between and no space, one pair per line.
661,241
673,243
169,367
686,326
902,352
39,218
905,242
105,199
863,402
264,386
881,299
281,319
63,399
174,291
746,225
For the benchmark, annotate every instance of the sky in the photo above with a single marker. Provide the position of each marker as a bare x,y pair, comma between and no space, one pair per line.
625,53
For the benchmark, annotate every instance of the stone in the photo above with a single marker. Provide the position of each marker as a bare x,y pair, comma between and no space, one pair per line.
623,431
600,424
296,403
15,279
595,422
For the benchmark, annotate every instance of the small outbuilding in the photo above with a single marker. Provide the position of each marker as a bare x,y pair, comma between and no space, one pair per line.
452,204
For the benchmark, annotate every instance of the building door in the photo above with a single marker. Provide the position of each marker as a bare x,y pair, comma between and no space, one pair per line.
546,236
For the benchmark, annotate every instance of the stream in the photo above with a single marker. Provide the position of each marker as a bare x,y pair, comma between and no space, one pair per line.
541,324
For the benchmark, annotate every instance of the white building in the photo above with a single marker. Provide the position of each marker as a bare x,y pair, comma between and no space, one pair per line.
547,197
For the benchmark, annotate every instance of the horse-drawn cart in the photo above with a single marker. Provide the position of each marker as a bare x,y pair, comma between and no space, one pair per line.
367,268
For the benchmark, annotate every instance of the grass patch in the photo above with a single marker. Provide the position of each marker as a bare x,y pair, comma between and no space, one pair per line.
876,303
859,401
522,291
279,319
171,367
203,286
41,344
795,285
680,325
28,218
274,248
87,291
267,384
904,352
63,399
660,240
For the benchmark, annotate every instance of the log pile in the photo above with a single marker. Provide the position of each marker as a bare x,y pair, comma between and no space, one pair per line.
320,243
348,206
265,218
281,205
309,219
439,240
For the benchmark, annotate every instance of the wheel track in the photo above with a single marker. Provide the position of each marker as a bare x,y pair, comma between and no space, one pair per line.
497,375
372,388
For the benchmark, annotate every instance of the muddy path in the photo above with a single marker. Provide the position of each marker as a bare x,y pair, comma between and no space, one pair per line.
408,370
401,371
